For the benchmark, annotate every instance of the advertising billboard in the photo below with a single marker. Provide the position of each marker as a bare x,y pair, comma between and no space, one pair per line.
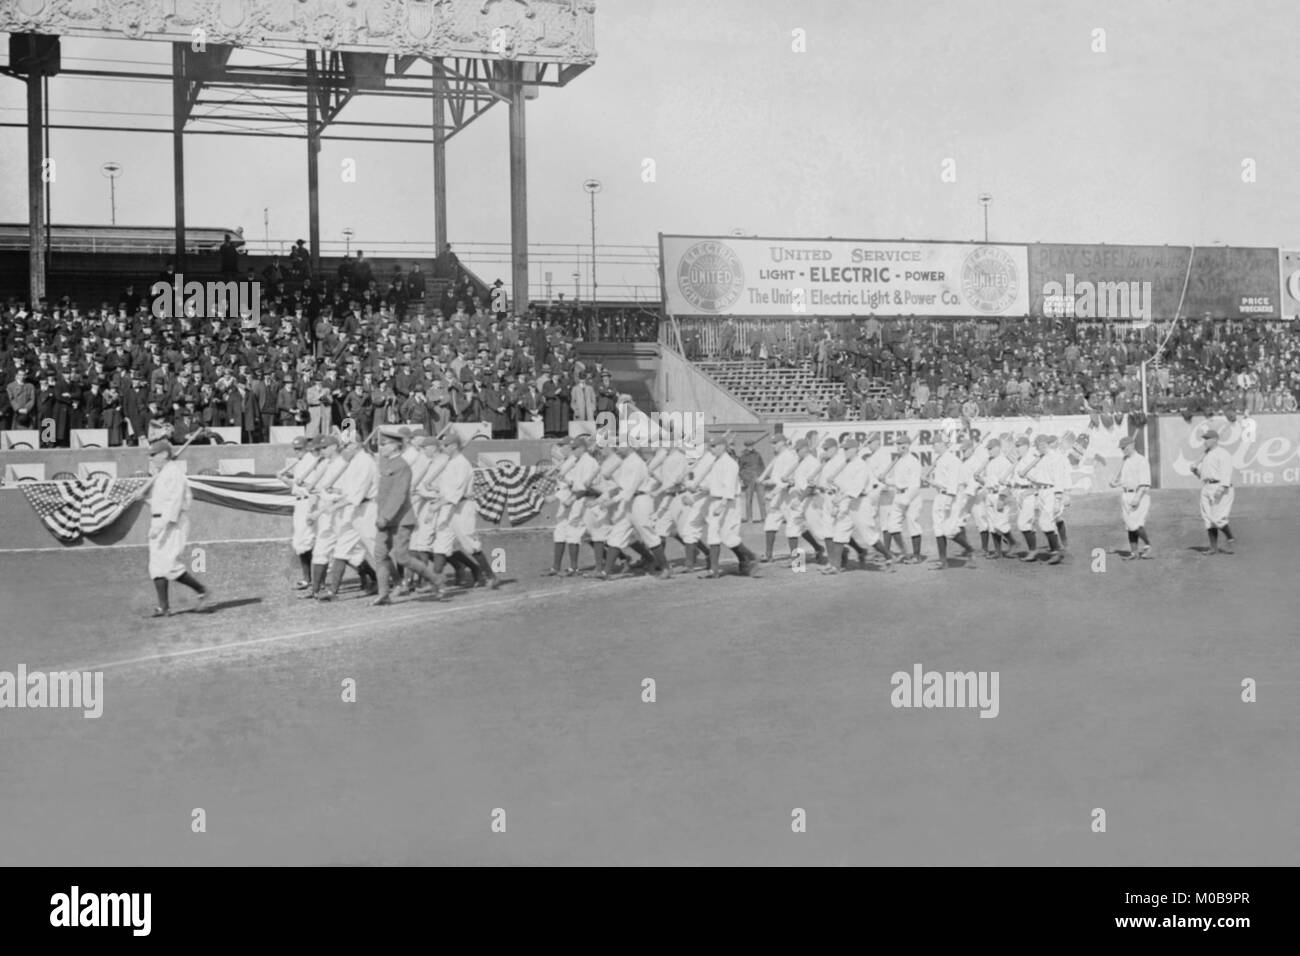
747,276
1087,474
1265,450
1146,283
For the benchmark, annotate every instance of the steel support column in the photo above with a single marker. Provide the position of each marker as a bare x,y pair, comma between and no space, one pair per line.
313,172
35,189
518,192
180,110
439,159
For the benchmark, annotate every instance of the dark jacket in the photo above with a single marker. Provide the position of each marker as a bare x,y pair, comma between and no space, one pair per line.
394,501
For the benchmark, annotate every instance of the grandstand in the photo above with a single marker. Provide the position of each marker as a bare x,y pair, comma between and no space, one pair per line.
776,392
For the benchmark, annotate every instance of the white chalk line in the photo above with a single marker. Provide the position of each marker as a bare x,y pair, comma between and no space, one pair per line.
377,618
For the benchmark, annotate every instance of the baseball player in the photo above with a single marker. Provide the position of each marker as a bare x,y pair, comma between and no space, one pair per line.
1134,482
581,480
969,503
692,519
1047,474
775,483
293,475
563,456
643,512
721,486
433,458
322,515
670,475
627,479
849,525
1215,471
1075,448
352,502
802,487
456,527
169,526
904,479
945,478
879,461
597,515
993,513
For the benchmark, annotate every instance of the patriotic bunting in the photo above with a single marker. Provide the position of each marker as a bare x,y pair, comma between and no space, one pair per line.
264,494
518,492
82,506
71,509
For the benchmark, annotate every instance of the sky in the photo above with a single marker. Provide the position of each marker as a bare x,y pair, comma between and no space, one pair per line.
1141,143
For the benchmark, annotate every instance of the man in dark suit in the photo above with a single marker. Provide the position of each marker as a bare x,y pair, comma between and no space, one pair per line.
243,410
263,390
395,520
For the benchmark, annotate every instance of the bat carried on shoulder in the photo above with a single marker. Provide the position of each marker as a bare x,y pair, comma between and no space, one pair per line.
144,489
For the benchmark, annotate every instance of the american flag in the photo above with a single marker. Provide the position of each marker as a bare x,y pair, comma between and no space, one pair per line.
518,492
82,506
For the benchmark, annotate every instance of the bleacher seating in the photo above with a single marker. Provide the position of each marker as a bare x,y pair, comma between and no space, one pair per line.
772,392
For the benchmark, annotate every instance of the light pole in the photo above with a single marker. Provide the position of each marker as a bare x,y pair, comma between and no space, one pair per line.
593,186
348,233
112,171
985,199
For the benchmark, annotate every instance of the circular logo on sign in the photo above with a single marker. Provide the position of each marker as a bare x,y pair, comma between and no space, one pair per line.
710,276
989,279
1293,284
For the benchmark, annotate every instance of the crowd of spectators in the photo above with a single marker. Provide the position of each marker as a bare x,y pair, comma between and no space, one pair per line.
937,368
356,347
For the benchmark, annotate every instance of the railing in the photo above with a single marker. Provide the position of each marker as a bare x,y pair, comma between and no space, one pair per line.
623,272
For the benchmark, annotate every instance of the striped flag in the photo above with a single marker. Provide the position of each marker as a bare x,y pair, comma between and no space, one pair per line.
518,492
83,506
265,494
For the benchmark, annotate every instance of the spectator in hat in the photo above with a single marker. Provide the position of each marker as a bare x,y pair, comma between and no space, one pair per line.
22,399
318,398
286,401
228,252
556,411
300,260
583,400
751,467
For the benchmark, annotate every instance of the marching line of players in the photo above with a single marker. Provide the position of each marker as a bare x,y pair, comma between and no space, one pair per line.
836,496
406,514
398,518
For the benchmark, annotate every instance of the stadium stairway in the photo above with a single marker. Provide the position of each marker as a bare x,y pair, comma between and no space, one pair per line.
772,393
632,364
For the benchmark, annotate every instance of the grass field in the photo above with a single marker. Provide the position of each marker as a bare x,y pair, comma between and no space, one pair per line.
1119,690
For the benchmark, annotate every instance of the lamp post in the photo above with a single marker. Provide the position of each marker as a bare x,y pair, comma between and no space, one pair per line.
348,233
112,171
593,186
985,199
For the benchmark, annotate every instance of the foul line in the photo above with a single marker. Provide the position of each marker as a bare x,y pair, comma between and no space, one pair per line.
379,618
95,548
